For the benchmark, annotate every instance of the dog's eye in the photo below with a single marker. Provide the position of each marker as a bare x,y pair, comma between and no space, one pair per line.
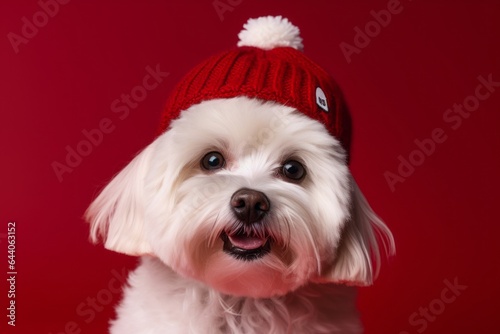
213,160
293,170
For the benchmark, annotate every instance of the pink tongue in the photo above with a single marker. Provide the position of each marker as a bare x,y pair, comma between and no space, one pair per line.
248,243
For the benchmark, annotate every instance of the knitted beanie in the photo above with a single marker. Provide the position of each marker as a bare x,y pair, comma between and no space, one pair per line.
269,65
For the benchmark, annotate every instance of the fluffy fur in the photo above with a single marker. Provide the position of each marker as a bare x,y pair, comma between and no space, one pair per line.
164,207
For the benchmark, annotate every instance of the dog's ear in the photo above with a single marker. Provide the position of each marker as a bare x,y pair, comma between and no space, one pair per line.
117,215
357,260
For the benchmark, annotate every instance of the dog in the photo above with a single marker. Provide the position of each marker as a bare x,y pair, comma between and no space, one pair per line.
245,216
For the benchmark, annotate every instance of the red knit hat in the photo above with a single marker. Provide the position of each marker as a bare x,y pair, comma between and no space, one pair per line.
269,65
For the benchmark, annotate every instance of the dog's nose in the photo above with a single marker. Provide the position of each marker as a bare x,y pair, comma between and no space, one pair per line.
249,205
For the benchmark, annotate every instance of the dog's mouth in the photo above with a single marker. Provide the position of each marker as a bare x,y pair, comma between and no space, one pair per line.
246,246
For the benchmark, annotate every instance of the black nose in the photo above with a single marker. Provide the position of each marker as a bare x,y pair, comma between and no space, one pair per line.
249,205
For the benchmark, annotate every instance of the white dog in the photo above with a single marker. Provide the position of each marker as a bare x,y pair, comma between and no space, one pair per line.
247,220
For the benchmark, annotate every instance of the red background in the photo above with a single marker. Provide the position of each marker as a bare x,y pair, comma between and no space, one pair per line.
64,79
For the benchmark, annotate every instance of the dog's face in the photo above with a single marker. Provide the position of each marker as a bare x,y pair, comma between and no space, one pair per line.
252,198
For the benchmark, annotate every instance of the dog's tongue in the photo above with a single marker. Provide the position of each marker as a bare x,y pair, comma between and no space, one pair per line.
247,242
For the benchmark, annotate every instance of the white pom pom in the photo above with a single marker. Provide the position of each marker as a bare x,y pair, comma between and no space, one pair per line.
268,32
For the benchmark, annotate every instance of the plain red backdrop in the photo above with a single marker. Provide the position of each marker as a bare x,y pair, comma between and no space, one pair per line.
64,78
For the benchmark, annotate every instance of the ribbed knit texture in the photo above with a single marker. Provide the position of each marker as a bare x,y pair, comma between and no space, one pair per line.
282,74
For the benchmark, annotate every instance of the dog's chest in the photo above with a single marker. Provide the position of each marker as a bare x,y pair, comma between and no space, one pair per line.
157,300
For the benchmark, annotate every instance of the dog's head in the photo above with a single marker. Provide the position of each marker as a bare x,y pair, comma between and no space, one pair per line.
252,198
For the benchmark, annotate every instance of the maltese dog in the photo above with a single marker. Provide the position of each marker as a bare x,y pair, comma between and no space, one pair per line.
243,209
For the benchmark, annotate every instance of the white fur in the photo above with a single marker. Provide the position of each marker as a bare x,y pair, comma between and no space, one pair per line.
269,32
165,207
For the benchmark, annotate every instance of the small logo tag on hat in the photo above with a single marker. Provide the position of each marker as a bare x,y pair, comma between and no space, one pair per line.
321,99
